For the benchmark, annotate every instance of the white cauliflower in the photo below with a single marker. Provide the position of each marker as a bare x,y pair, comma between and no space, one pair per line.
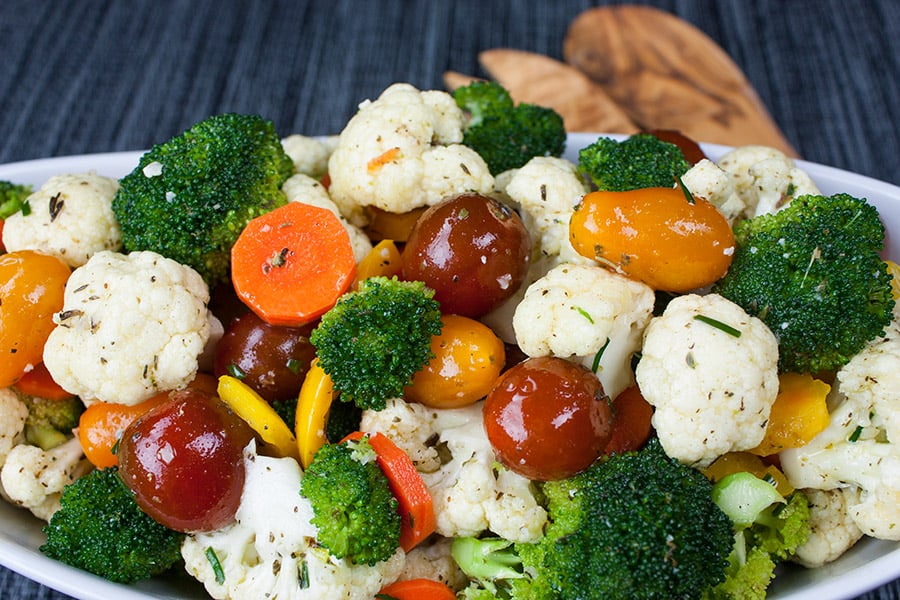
310,155
713,389
402,151
577,311
832,531
13,413
71,218
271,546
305,189
34,478
766,179
131,326
547,190
715,185
471,492
432,560
859,448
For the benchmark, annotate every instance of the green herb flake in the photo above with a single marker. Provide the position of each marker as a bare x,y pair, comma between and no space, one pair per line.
854,437
215,564
687,192
235,371
584,314
718,325
595,366
293,366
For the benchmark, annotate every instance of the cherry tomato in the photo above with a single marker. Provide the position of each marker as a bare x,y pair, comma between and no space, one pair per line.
547,418
471,250
184,461
655,235
692,151
632,421
271,359
468,357
32,286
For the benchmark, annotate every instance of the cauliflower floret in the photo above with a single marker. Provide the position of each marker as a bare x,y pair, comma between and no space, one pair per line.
858,449
271,546
71,218
766,179
402,151
832,531
13,413
305,189
432,560
34,478
471,492
580,310
547,190
712,183
131,326
309,155
711,371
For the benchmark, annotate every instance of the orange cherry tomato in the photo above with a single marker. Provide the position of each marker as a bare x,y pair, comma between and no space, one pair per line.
383,260
385,225
468,358
655,235
31,291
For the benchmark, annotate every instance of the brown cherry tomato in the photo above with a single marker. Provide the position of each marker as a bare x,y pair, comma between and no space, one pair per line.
547,418
654,235
184,461
471,250
271,359
468,358
632,421
692,151
32,286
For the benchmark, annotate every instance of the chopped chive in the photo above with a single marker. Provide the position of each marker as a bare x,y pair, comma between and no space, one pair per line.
235,371
293,365
718,325
854,437
215,564
584,314
303,575
595,366
687,192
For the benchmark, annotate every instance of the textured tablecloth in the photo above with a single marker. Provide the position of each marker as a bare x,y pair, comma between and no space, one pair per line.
94,76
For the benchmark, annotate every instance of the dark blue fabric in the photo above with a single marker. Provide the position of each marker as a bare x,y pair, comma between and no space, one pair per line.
99,75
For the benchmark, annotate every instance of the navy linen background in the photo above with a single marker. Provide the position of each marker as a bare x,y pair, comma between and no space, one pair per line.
96,76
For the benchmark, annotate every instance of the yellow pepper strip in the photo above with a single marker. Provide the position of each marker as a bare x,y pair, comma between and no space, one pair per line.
798,415
259,414
737,462
894,269
383,259
313,404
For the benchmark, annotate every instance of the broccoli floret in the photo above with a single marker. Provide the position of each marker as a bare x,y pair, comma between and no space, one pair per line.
353,506
505,134
12,198
375,339
769,530
812,272
100,529
50,422
189,197
639,161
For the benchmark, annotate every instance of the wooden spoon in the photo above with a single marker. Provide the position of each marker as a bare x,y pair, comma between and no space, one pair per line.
537,79
667,74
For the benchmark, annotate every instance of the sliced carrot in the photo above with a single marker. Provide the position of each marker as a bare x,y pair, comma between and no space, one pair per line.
416,589
631,425
291,265
313,403
38,382
416,505
383,260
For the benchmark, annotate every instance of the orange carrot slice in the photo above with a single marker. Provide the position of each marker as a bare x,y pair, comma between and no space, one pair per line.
416,589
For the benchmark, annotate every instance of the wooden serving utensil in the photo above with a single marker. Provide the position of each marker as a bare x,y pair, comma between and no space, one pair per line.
665,73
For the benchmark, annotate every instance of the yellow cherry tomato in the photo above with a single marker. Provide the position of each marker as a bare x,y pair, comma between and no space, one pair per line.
32,286
259,414
468,358
383,260
655,235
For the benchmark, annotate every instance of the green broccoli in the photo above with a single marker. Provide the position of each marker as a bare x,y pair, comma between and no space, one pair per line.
100,528
636,525
189,198
353,506
639,161
50,422
375,339
12,198
769,530
505,134
812,272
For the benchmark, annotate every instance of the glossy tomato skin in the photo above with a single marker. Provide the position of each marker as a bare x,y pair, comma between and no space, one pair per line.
471,250
184,461
271,359
547,418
